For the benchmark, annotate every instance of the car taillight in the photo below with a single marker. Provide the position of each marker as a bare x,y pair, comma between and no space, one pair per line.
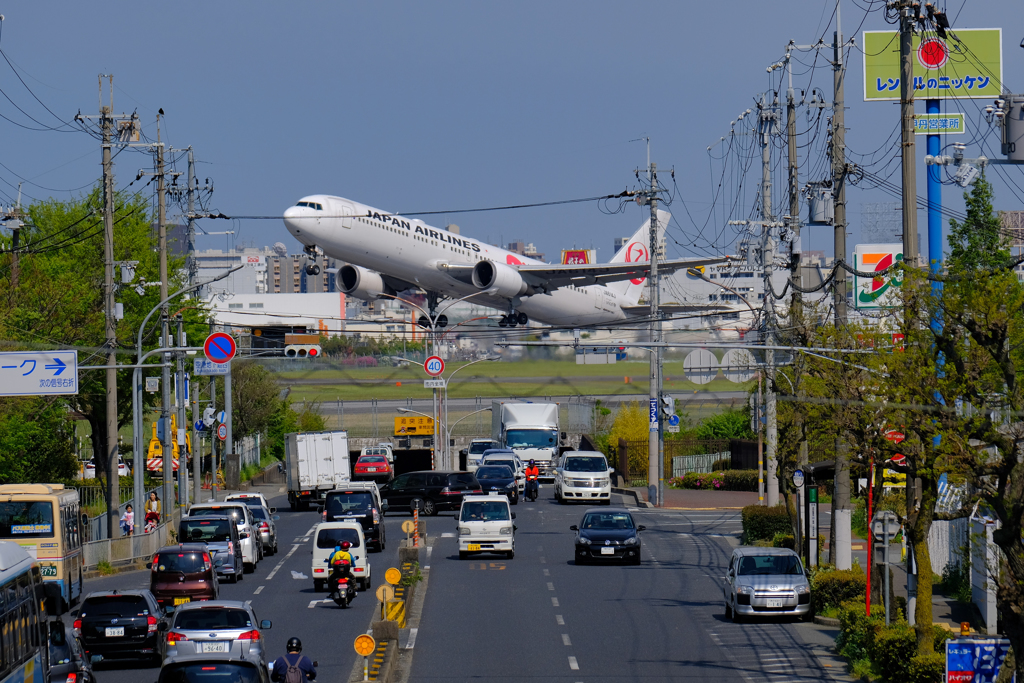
264,527
231,547
77,625
151,624
448,492
154,562
72,678
207,562
174,637
250,635
376,516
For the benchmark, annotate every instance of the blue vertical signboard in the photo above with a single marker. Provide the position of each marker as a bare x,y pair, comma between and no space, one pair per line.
654,414
975,660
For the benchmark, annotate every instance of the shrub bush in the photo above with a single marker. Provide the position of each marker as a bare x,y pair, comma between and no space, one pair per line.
705,481
723,464
929,668
740,480
833,587
856,630
761,523
892,648
784,541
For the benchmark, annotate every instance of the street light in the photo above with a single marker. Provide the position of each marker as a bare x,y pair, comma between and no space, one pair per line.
448,432
447,441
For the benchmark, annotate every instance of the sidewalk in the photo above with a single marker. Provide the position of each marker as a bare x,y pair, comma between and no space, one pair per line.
686,499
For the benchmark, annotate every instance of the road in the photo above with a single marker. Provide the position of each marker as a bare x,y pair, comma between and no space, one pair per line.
537,616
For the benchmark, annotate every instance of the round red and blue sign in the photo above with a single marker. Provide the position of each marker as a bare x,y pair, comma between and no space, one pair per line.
222,432
434,366
219,347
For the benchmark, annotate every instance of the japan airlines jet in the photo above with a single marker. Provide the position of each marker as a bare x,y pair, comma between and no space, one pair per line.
386,254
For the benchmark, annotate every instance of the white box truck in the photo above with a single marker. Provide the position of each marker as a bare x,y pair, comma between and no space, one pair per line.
315,462
529,429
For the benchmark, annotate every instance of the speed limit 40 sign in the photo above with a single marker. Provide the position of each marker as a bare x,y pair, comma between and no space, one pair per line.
434,366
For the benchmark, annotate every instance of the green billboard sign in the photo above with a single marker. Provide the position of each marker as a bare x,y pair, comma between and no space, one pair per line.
968,65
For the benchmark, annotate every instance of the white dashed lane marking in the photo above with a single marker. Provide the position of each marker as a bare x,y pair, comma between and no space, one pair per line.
258,590
559,620
554,602
565,639
573,664
551,586
280,564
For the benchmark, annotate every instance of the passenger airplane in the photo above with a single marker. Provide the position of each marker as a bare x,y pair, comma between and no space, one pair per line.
386,254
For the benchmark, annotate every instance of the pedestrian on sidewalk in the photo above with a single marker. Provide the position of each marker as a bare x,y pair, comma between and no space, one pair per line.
152,511
128,521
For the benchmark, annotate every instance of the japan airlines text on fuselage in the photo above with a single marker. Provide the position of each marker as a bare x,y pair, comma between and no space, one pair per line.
416,253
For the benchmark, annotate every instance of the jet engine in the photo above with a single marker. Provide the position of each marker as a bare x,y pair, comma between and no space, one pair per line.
361,283
507,280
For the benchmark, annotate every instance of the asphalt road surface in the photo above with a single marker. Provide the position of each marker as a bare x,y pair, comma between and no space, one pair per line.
537,616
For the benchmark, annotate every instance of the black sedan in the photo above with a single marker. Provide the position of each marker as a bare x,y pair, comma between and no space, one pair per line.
607,534
500,479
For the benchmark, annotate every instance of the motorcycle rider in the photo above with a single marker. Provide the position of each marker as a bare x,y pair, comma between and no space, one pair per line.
293,667
340,563
532,473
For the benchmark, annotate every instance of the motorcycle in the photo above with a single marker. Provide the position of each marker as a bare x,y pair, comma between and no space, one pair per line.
344,591
532,486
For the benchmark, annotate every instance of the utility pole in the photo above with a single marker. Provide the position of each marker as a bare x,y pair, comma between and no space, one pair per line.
113,481
180,385
768,115
167,447
191,264
796,305
908,16
15,215
839,171
655,463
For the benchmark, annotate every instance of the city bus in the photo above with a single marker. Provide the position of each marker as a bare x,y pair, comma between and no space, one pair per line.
44,519
23,625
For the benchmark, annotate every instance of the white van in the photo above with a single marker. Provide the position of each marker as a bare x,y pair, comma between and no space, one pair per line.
248,535
382,448
486,526
326,536
583,476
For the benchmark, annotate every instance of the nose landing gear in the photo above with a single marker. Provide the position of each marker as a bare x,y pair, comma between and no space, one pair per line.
312,269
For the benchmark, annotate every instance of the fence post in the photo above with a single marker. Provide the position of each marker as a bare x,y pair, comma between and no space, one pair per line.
624,461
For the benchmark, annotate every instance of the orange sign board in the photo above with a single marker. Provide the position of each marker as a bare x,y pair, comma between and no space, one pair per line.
412,425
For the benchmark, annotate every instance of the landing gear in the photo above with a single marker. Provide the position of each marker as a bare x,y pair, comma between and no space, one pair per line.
312,269
313,252
513,319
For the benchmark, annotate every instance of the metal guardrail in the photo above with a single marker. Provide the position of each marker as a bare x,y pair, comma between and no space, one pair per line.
128,548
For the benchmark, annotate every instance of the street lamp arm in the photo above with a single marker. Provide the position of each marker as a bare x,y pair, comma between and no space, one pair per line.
464,417
478,360
414,412
407,360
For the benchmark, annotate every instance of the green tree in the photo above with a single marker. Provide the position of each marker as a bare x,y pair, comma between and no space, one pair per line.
732,424
978,242
36,441
254,397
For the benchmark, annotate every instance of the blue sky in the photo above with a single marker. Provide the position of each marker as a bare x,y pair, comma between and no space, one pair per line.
412,106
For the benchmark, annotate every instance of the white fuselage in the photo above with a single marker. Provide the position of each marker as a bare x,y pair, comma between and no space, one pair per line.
412,251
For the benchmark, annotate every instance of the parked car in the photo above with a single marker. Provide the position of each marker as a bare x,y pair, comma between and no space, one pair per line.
359,501
607,534
213,668
68,661
266,525
122,469
583,475
252,548
183,573
486,526
476,450
432,491
216,627
499,479
326,537
766,582
119,625
373,468
220,534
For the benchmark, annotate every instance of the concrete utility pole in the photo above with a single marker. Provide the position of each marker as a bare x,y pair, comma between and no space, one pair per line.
113,482
908,15
167,445
795,270
192,265
655,463
180,384
839,170
768,114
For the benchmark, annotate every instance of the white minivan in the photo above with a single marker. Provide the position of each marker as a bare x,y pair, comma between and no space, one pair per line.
583,476
248,535
486,526
326,537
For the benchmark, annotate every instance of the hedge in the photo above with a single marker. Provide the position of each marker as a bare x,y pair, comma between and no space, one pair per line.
723,480
929,668
833,587
891,650
761,523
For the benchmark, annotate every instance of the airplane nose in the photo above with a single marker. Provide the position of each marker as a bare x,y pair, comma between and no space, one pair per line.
298,221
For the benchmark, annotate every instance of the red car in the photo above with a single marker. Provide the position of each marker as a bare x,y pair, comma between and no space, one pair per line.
373,468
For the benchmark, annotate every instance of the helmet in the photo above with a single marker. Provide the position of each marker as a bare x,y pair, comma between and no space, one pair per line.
294,645
345,545
531,462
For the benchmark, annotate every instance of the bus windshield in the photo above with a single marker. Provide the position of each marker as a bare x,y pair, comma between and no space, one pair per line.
26,519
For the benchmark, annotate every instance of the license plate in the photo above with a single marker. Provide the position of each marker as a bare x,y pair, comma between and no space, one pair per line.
48,570
114,631
371,469
607,551
181,601
774,603
474,546
216,646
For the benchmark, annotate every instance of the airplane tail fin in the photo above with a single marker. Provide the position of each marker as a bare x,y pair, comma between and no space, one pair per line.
636,249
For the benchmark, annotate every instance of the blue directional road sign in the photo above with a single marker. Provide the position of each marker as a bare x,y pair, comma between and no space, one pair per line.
674,421
38,373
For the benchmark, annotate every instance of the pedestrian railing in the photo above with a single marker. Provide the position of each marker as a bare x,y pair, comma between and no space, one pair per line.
127,549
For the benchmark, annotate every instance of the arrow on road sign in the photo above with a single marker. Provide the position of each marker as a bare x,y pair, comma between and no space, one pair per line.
57,366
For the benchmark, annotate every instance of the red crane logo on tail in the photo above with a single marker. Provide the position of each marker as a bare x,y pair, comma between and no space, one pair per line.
636,252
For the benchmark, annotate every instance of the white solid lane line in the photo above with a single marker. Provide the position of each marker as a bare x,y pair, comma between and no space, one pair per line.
258,590
280,564
412,638
573,664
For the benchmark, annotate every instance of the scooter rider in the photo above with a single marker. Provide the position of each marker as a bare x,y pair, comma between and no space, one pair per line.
293,667
532,473
340,562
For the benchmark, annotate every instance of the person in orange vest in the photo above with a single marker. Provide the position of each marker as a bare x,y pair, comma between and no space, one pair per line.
532,473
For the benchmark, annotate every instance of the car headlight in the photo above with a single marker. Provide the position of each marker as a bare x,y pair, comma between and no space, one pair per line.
803,589
630,541
510,485
584,540
505,531
603,482
745,590
463,531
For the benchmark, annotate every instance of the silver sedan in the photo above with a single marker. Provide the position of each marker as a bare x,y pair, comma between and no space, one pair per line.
766,582
215,627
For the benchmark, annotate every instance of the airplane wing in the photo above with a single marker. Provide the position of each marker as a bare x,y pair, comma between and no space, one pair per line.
550,277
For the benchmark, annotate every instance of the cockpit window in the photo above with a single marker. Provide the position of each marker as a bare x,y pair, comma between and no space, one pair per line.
312,205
